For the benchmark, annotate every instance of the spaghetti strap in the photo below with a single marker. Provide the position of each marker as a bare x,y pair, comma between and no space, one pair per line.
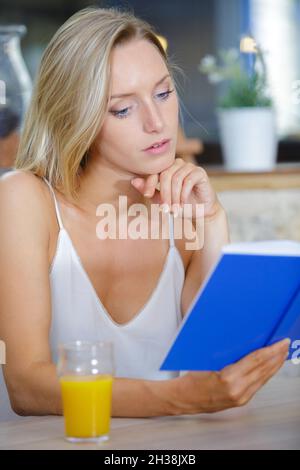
171,229
56,205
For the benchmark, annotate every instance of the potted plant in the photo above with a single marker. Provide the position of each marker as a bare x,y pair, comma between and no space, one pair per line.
245,111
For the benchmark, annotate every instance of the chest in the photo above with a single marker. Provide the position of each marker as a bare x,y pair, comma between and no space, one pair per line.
123,273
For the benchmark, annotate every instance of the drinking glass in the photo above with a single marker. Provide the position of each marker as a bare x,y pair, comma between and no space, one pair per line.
86,371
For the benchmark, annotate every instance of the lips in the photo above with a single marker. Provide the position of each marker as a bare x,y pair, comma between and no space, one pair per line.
161,142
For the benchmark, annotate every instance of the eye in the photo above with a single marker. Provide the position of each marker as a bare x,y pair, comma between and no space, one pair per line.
120,114
165,94
123,113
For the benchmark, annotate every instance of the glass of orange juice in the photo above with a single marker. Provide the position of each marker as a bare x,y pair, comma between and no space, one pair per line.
86,371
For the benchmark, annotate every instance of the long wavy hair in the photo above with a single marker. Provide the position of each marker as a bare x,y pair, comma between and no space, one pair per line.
71,93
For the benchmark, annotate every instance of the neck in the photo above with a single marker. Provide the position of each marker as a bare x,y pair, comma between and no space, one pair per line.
101,182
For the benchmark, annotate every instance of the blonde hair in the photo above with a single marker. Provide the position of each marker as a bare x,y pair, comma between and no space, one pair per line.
71,92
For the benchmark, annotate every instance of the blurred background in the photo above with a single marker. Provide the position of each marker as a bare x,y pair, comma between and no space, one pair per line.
194,29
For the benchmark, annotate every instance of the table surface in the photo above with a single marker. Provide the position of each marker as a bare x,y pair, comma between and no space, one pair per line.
271,420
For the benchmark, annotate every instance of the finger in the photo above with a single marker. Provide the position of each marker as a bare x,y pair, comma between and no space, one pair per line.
269,373
145,186
199,176
138,183
265,370
150,185
165,179
255,359
246,386
177,181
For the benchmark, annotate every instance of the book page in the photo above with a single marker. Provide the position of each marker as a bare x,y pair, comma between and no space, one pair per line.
266,247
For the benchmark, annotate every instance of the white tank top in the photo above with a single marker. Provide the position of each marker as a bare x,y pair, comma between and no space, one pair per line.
78,313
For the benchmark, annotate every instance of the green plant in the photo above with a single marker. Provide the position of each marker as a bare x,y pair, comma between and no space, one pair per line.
243,89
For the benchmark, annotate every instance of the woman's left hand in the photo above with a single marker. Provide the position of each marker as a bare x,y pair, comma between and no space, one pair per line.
181,183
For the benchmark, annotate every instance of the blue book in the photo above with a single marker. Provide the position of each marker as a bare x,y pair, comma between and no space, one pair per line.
250,299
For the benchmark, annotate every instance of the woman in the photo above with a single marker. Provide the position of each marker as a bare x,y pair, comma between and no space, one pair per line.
84,145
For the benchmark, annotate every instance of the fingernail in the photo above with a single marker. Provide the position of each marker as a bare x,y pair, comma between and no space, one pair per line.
287,341
147,194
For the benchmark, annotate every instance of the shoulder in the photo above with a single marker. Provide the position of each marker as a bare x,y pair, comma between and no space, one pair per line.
20,181
23,201
22,187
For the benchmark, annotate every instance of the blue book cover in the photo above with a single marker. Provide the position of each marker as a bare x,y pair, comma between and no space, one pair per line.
250,299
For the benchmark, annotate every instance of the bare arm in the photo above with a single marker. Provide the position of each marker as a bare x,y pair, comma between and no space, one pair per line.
216,235
24,288
38,393
196,392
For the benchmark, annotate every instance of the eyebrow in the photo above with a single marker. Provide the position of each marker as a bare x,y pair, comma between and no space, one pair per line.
130,94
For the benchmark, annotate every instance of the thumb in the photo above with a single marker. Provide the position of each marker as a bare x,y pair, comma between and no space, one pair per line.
138,183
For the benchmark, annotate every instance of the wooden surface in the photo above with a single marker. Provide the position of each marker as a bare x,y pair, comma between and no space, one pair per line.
284,176
270,421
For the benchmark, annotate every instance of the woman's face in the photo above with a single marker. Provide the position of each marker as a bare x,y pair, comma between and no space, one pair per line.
147,115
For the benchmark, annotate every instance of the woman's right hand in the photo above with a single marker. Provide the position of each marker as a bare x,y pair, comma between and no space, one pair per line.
233,386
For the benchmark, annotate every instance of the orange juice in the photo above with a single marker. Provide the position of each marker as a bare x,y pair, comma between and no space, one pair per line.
87,405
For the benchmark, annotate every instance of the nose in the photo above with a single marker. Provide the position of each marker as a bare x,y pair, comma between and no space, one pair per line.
152,119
